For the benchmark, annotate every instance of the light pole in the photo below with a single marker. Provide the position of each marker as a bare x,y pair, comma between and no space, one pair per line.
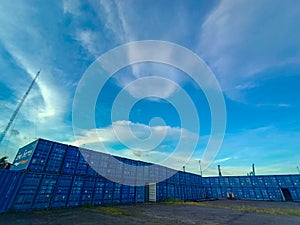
200,167
184,193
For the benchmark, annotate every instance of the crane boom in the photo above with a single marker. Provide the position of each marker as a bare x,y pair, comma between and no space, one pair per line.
12,118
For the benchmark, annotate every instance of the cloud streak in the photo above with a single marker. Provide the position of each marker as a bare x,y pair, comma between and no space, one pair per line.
242,39
30,51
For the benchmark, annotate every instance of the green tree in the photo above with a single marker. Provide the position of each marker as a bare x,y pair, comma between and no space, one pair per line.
4,164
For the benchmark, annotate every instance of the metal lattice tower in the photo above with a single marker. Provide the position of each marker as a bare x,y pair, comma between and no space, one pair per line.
12,118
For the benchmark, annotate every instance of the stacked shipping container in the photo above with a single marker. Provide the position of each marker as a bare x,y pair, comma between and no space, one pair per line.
274,187
52,175
10,182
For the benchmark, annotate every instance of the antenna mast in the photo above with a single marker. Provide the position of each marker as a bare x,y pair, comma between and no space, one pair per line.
219,170
12,118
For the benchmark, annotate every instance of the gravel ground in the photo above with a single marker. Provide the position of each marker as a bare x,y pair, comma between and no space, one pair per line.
211,212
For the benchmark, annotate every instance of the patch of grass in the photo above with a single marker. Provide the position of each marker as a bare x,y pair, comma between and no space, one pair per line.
273,211
108,209
172,201
50,210
87,205
111,210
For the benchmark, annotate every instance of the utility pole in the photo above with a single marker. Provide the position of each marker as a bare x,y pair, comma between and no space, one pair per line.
200,167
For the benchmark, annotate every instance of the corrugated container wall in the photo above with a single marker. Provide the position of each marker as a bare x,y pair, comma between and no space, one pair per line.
50,175
10,182
57,175
271,187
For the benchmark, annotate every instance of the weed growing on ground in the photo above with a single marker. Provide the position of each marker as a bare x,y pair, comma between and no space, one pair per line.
273,211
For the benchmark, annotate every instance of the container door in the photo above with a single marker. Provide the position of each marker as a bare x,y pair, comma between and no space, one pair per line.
286,194
150,192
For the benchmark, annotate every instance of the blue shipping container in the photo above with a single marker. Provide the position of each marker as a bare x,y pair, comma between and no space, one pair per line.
10,183
27,192
62,191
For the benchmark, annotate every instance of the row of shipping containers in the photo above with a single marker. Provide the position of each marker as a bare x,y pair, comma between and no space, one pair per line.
52,175
270,181
271,187
56,158
32,190
43,156
41,191
181,186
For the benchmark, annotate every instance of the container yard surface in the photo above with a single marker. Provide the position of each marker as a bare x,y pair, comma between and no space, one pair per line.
208,212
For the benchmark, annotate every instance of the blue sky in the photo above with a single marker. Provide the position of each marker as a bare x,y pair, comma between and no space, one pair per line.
252,48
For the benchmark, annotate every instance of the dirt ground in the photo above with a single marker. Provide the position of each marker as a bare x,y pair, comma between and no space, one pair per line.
209,212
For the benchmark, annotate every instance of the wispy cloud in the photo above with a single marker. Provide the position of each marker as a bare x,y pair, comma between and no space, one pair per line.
222,160
241,39
152,87
72,7
89,41
53,104
114,20
120,22
31,50
280,105
246,86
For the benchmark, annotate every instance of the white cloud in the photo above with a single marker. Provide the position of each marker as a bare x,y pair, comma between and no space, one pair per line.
151,69
148,143
30,48
152,87
72,7
280,105
244,86
241,39
108,29
119,18
114,20
53,103
222,160
139,131
19,42
90,41
267,147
